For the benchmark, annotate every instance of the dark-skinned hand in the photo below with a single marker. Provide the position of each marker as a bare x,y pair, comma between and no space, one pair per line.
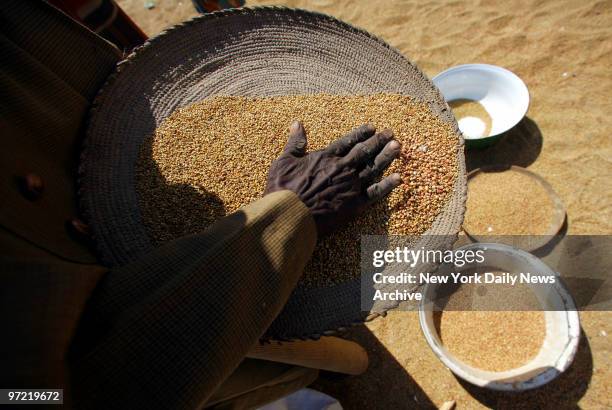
340,181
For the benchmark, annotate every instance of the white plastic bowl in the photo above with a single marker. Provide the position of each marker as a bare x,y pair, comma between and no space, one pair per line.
502,93
562,326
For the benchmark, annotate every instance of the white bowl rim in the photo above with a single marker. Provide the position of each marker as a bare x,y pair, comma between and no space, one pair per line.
481,66
538,380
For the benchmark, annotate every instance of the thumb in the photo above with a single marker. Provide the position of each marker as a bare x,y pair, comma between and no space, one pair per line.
296,145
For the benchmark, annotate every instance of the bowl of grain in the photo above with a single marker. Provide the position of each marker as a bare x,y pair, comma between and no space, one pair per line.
491,346
486,100
514,205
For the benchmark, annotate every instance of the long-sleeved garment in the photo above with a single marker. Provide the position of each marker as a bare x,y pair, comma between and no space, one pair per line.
161,332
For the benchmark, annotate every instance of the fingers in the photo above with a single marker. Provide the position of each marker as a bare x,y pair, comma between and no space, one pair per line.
296,144
382,161
381,189
362,152
343,145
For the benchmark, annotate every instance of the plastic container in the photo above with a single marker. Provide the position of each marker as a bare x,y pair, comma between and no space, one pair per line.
562,326
501,92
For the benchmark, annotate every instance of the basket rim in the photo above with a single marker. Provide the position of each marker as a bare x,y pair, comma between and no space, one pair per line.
139,53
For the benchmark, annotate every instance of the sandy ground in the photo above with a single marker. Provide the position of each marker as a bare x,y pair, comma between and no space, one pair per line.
563,51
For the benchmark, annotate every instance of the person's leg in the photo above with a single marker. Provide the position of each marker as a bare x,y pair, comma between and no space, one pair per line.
258,382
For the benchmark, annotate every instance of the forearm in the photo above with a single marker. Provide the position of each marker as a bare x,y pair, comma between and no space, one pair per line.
176,323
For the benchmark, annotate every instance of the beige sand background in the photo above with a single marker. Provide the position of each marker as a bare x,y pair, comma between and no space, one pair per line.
563,51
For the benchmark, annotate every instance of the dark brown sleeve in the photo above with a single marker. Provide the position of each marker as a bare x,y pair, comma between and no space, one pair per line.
165,331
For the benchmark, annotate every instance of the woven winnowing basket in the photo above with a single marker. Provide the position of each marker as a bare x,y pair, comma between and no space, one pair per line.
245,52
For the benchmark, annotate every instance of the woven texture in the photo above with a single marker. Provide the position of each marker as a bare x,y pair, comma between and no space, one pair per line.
247,52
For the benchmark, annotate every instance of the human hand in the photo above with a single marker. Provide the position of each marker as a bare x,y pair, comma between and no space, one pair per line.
338,182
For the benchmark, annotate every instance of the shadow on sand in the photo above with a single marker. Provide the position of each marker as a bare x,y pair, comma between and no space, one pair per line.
519,146
372,390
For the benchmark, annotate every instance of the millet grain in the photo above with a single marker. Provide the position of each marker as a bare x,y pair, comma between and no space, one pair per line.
212,158
507,203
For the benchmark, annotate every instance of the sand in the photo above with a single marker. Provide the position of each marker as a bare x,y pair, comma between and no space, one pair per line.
563,52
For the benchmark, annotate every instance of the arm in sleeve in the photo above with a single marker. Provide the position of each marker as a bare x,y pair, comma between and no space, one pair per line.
166,330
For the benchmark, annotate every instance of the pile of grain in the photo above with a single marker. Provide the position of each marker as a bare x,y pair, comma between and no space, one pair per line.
211,158
474,120
494,341
487,296
507,203
494,326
